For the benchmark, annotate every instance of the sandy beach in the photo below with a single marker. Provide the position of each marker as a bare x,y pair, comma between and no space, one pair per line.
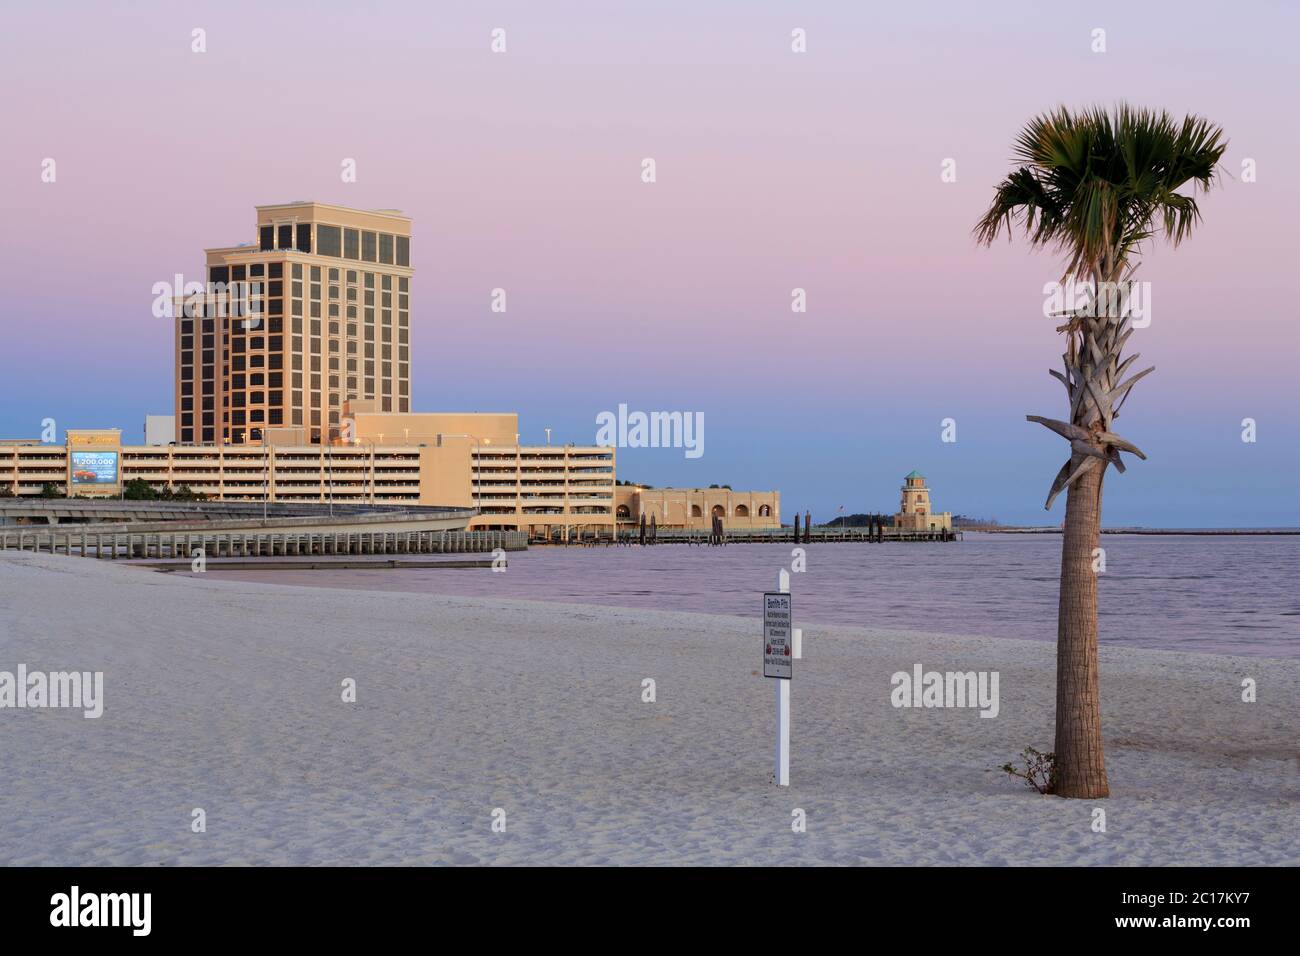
227,696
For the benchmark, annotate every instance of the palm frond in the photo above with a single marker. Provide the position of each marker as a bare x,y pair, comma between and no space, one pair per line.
1096,184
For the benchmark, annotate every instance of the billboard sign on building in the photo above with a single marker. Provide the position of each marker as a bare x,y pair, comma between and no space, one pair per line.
94,467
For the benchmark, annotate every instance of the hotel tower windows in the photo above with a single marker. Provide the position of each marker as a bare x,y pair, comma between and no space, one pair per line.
231,365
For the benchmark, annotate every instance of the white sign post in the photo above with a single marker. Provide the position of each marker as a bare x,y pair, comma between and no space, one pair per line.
777,664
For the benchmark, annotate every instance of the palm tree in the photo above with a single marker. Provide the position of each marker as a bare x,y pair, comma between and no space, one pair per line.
1095,186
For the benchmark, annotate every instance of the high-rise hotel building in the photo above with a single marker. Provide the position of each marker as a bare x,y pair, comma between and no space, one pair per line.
308,398
330,290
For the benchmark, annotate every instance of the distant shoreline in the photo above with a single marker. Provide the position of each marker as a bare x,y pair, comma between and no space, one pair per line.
1169,531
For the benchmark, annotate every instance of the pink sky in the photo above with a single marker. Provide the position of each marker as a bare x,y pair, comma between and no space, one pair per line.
775,170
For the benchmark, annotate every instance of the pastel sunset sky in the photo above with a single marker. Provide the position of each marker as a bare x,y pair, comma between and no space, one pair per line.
776,170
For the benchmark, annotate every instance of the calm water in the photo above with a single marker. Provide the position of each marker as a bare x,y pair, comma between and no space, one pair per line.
1230,595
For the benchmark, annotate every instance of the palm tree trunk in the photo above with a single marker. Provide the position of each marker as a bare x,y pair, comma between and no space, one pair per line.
1080,762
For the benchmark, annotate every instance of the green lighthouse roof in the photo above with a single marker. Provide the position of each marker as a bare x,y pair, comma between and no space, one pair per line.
914,474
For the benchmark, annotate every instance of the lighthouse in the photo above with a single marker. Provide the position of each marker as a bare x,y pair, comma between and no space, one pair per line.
914,511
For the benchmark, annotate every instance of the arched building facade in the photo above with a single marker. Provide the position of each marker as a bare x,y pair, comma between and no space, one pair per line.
695,508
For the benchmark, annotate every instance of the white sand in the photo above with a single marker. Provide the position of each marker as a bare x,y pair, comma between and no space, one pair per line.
227,696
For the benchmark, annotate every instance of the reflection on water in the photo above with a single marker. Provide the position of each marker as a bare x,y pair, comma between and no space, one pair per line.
1228,595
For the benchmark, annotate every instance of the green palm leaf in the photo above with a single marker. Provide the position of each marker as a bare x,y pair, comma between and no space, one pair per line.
1096,185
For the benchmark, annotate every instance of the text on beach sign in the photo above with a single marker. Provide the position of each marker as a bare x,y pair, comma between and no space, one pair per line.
777,660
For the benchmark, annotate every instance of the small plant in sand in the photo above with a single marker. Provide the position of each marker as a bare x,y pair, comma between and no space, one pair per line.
1039,771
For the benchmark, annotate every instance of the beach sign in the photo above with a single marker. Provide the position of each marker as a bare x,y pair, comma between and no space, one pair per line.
778,646
778,662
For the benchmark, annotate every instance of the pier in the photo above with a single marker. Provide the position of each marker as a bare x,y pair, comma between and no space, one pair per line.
176,532
877,535
256,543
828,535
324,564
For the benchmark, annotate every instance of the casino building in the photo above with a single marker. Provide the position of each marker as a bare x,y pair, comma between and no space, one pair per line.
313,313
469,461
293,383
